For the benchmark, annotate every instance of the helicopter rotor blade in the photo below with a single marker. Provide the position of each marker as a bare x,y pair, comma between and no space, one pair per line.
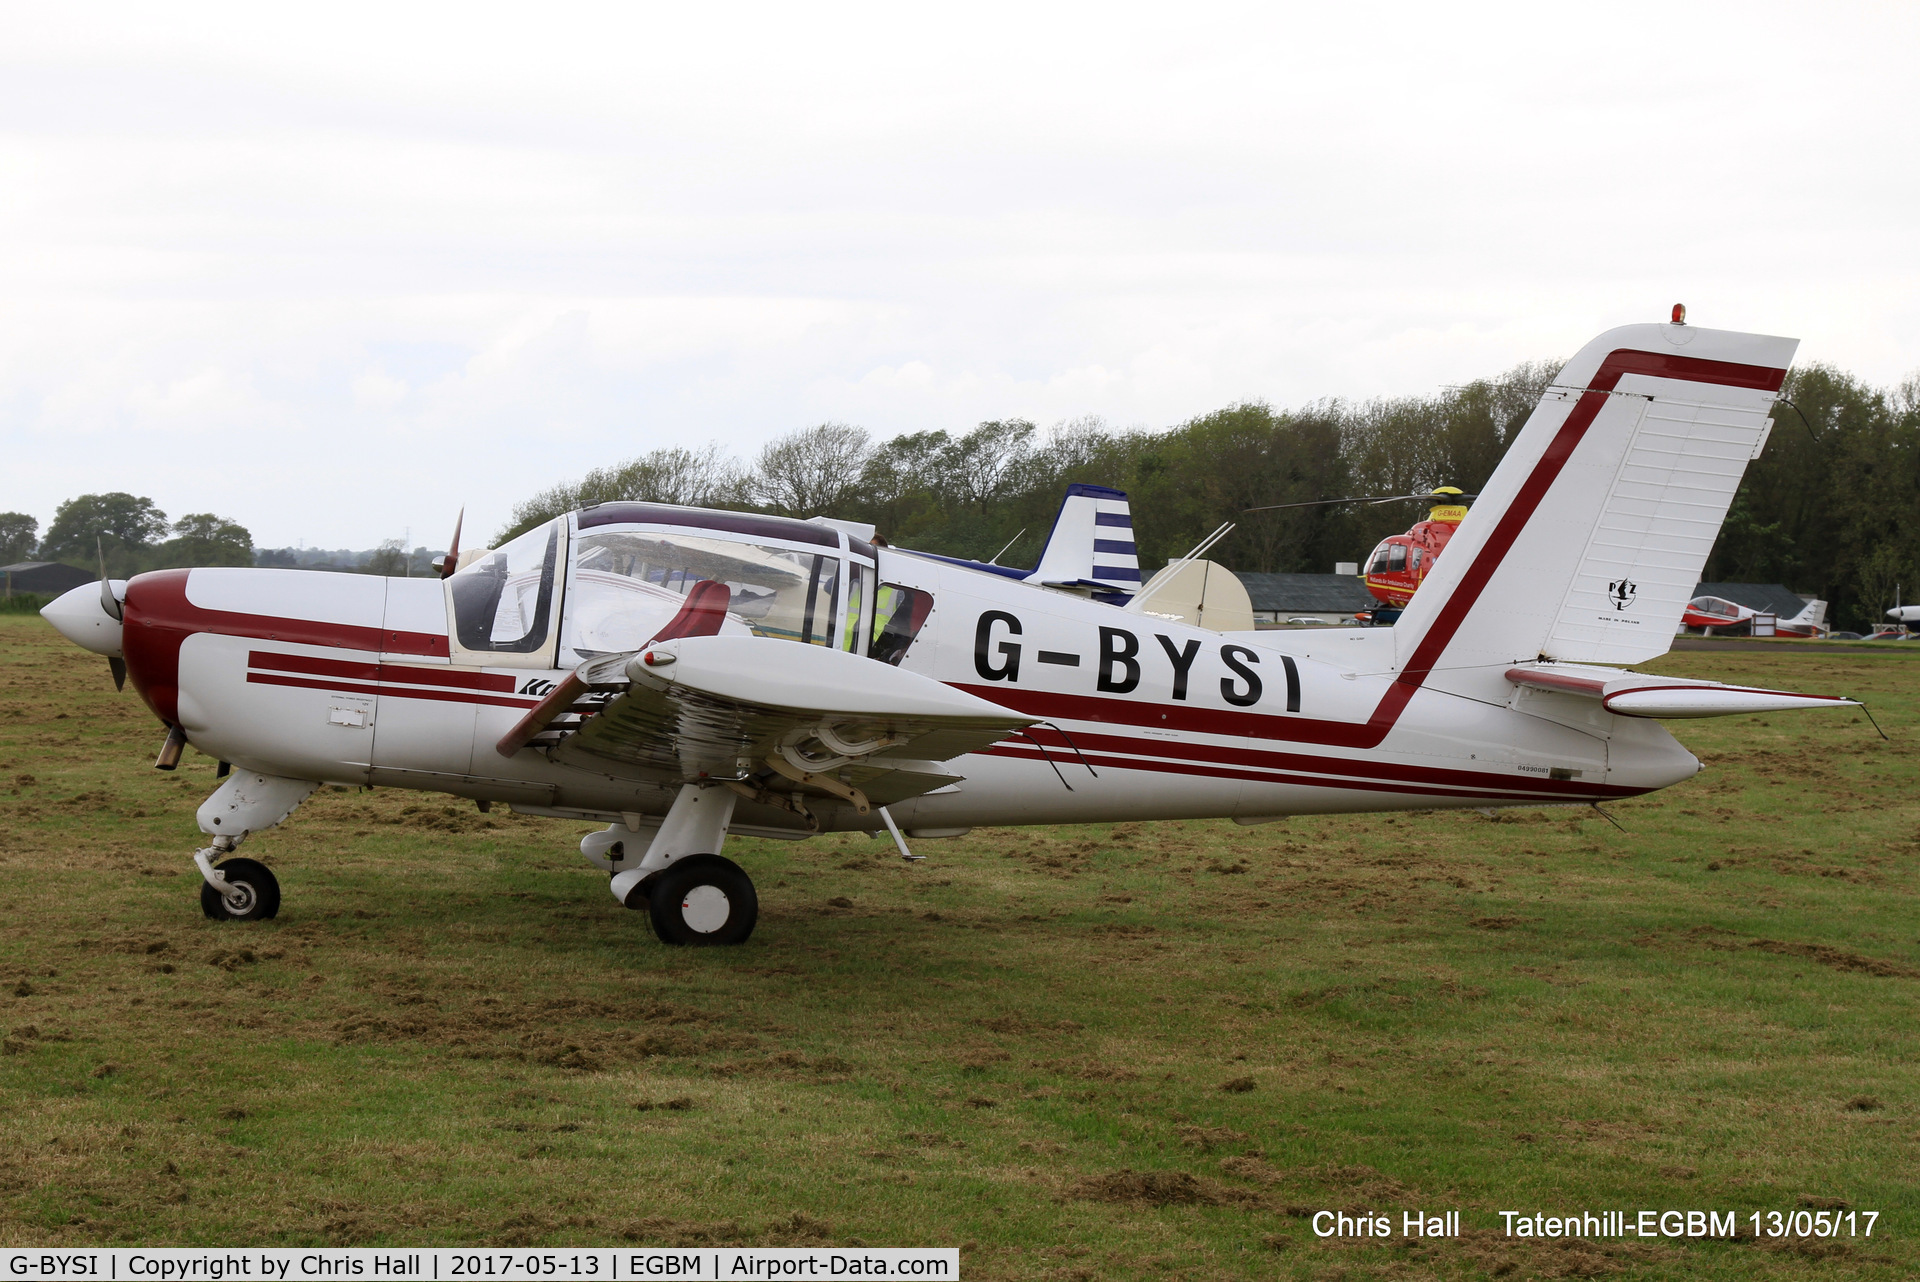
1370,498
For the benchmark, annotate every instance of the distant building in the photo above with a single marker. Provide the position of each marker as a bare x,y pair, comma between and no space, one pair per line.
46,578
1318,598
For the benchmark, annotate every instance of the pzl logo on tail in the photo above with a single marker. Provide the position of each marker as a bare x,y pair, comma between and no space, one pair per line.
1621,592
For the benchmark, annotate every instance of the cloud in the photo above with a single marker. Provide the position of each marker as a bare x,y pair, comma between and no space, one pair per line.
334,277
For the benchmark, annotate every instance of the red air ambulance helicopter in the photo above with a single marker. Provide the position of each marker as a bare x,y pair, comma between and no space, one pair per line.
1402,561
680,674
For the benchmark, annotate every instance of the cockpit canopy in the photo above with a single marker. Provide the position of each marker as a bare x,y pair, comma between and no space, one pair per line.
612,578
1713,605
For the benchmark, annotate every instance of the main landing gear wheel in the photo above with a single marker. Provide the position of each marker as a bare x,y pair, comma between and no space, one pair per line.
703,899
255,897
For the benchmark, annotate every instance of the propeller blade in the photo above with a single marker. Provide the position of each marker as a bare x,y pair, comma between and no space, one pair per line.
119,669
452,559
108,601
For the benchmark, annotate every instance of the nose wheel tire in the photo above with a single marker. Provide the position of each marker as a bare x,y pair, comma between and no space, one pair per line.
255,897
703,900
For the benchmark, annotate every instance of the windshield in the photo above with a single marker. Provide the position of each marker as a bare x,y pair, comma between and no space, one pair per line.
628,586
502,601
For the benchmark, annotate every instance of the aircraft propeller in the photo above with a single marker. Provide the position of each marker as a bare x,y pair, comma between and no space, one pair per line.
108,601
452,559
111,604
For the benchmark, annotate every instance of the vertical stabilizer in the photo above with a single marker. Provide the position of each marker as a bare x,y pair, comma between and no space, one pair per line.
1813,616
1588,540
1091,546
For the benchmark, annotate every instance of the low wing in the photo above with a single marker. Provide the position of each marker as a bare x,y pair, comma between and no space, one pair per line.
772,717
1631,694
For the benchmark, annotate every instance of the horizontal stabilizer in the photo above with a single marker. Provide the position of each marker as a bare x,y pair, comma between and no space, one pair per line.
1631,694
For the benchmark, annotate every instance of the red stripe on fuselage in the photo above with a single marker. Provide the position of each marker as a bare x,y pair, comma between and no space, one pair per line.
463,678
1351,767
1596,792
386,691
159,619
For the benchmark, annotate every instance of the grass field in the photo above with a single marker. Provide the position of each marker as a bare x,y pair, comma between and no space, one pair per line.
1115,1051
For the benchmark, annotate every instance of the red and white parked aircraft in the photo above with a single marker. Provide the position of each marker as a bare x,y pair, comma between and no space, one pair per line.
683,674
1718,612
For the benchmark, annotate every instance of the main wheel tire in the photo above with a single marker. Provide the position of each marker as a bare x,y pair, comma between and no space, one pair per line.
256,894
703,900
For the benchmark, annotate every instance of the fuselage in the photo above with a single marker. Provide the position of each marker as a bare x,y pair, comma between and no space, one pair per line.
354,679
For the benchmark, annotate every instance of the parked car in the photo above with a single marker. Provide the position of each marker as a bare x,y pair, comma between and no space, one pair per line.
1844,636
1885,634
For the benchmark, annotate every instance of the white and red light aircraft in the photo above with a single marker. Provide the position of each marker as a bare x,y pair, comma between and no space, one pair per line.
683,674
1718,612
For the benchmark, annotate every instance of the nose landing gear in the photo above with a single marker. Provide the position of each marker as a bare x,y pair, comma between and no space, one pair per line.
248,802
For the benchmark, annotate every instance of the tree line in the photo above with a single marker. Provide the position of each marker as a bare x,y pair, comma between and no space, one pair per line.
134,535
992,491
129,531
1826,510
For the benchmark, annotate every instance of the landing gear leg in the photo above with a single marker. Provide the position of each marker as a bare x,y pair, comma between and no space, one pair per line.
248,802
690,893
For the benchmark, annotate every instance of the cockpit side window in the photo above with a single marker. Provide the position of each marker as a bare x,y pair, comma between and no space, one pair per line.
859,588
502,601
628,584
899,614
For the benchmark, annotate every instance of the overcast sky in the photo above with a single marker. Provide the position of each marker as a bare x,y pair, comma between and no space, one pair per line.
336,272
